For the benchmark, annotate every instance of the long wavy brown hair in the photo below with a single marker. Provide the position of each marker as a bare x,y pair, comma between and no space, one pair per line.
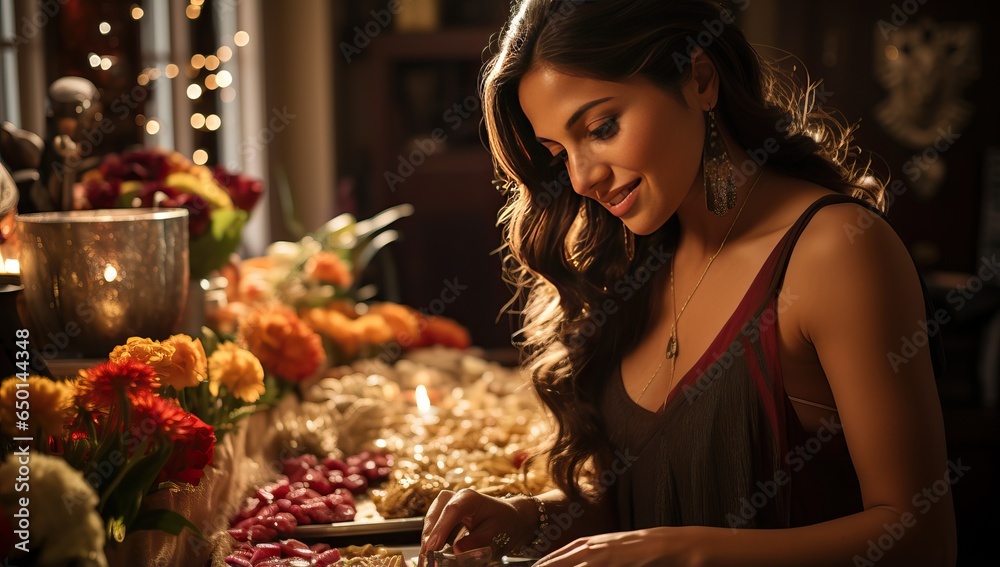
564,254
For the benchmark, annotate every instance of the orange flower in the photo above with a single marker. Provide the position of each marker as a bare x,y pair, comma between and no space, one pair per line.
446,332
285,345
238,370
99,386
187,365
372,329
334,325
405,322
327,267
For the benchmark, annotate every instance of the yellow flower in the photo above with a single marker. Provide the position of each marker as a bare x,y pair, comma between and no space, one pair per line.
154,353
47,404
207,189
188,363
238,370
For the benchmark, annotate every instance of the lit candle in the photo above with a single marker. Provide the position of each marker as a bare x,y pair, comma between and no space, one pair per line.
423,401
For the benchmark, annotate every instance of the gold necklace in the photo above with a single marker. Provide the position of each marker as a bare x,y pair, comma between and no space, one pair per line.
672,343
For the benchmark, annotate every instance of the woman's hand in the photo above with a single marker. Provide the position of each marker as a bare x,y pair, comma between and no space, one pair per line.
502,525
657,546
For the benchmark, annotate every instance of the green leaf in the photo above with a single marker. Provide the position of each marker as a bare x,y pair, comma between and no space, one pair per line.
134,482
164,520
209,340
211,250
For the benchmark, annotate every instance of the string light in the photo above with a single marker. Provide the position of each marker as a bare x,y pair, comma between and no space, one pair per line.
225,53
228,94
137,12
213,122
211,62
199,157
241,38
140,119
142,79
94,59
225,78
105,28
152,127
197,60
193,91
171,71
105,63
197,120
192,12
211,83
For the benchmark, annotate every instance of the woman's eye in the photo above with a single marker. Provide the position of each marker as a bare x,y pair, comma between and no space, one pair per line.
558,159
606,130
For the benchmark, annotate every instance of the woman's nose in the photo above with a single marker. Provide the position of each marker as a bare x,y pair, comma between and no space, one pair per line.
586,173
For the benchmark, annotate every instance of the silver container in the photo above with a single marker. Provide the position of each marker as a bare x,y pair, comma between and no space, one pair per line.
92,279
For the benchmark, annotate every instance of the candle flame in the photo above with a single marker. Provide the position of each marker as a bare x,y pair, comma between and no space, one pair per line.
422,399
9,265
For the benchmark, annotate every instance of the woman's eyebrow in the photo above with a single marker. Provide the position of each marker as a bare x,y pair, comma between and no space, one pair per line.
579,112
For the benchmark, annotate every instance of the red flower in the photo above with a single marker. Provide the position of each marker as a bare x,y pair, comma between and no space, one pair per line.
99,387
192,441
101,193
198,214
243,190
143,165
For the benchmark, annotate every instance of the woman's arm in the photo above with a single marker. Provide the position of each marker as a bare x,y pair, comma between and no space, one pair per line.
860,306
863,311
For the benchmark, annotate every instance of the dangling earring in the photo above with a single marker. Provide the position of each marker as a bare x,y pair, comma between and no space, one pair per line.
629,242
720,179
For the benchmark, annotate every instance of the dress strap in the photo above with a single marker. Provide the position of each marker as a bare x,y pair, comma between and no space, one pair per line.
936,342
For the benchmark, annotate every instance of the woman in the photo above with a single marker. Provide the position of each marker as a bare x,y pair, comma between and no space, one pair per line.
714,308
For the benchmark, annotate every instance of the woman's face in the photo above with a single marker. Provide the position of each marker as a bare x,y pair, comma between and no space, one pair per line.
631,146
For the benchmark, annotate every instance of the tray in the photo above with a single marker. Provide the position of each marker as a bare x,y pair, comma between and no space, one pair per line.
367,521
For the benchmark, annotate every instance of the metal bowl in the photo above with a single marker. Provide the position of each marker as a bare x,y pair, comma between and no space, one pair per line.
92,279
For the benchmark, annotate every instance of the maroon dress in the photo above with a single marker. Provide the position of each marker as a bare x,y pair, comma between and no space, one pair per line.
727,449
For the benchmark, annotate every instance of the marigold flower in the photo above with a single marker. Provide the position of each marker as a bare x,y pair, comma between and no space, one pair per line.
99,386
327,267
154,353
188,365
238,370
285,345
372,329
51,405
334,325
405,321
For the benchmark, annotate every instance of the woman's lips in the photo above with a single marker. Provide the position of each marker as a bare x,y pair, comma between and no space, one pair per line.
623,200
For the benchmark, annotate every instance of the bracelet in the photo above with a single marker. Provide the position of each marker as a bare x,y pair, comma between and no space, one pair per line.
543,526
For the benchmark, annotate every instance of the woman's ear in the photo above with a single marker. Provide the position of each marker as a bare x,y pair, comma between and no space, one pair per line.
702,88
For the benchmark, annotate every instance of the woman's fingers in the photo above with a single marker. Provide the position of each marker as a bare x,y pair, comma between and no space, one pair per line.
431,518
459,510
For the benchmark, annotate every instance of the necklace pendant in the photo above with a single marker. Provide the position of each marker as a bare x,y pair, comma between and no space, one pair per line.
671,347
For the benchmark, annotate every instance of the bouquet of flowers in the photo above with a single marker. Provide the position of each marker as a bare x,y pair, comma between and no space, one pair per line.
147,419
218,202
315,283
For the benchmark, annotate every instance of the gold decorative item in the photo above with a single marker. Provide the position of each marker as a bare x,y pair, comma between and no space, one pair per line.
94,278
925,67
418,16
